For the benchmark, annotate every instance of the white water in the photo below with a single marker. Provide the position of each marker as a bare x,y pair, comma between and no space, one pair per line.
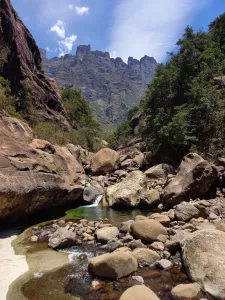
98,199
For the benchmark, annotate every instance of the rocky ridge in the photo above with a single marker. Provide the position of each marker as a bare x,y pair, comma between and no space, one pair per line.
110,85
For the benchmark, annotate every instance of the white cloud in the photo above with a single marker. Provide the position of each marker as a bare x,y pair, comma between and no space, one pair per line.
47,49
59,29
150,27
82,10
66,45
71,6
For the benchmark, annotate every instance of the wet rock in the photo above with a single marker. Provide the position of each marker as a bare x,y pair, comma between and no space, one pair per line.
164,264
204,259
144,255
186,291
139,292
114,265
92,191
104,161
147,230
104,235
194,179
62,238
186,211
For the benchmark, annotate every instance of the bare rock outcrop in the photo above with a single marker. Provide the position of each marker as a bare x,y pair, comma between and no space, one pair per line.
34,174
20,63
194,179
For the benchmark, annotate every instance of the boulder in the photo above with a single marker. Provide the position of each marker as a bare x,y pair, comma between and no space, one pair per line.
150,199
160,171
34,173
164,264
186,211
92,191
139,292
147,230
114,265
194,179
144,255
204,260
186,291
163,219
127,193
106,234
104,161
125,228
62,238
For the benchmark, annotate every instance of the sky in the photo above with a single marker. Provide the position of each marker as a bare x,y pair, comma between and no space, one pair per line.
122,27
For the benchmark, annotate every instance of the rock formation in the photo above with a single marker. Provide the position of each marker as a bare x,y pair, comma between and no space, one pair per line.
20,63
111,86
34,173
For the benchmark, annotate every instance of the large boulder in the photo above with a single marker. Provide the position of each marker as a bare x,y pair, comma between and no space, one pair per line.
160,171
204,260
128,192
139,292
104,161
62,238
185,211
194,179
144,255
114,265
104,235
34,173
151,199
147,230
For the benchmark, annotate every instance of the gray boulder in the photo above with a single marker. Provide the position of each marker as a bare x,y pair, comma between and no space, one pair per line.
106,234
62,238
194,179
186,211
204,259
92,191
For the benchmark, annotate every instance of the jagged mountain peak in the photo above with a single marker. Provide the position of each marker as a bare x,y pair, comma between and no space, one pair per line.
110,85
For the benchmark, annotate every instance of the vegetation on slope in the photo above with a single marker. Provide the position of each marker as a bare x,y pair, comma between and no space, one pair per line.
184,108
85,128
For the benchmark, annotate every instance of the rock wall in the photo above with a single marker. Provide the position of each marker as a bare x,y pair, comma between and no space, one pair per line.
20,63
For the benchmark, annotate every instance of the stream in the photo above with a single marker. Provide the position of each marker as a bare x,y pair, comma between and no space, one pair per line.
63,274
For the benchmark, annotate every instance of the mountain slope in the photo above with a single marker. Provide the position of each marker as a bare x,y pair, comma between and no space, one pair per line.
37,97
111,86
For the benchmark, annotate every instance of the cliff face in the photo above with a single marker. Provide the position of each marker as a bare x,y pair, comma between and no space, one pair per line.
20,63
111,86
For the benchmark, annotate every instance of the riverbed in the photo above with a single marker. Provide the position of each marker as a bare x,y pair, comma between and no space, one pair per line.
39,273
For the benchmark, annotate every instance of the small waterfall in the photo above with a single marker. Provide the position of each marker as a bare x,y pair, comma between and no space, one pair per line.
96,202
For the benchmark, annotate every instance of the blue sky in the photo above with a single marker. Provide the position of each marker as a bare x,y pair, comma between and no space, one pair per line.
122,27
